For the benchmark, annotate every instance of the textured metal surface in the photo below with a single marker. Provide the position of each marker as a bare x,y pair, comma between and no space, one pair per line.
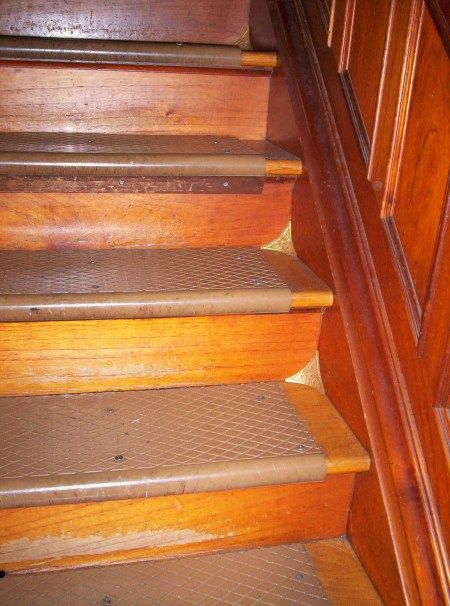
121,52
82,433
93,143
70,154
277,575
126,270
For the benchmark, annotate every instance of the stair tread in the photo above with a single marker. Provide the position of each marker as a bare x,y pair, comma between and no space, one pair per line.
126,52
136,283
322,572
114,445
99,154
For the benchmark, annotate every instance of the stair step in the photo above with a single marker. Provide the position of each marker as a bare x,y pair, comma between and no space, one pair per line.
125,52
95,447
147,100
99,155
201,21
116,284
257,459
323,572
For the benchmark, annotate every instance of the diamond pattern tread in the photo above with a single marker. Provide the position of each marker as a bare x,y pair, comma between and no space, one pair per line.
126,155
285,574
128,283
131,444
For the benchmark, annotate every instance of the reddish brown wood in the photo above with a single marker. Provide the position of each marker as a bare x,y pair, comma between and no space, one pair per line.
394,438
170,101
363,64
38,221
221,22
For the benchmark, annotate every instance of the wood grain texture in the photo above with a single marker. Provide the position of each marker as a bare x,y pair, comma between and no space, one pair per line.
65,536
418,548
341,574
103,355
364,61
343,452
258,59
159,101
420,180
32,221
160,20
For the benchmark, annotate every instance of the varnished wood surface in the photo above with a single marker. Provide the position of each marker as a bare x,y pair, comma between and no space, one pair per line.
418,545
410,247
33,221
161,20
343,453
117,531
160,101
258,59
342,576
105,355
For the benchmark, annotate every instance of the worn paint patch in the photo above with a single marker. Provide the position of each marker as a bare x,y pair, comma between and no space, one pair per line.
51,548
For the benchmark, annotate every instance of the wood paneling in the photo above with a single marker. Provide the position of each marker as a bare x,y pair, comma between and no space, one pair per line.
418,195
106,355
160,101
98,533
34,221
365,33
392,380
220,22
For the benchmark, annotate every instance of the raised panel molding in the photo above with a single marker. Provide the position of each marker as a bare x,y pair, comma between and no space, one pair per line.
364,39
416,184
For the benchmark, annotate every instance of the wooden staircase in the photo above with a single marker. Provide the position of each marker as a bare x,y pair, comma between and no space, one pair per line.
159,377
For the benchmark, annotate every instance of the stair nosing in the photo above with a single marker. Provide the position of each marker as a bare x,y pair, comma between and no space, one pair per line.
99,52
30,491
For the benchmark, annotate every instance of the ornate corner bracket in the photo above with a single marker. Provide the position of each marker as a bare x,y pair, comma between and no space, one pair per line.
244,40
283,243
309,375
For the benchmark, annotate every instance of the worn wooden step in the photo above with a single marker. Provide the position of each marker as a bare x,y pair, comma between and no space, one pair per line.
126,52
49,220
133,99
321,572
64,453
98,158
108,355
202,21
117,284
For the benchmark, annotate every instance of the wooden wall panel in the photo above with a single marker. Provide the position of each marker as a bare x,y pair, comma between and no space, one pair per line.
366,32
420,166
218,22
400,370
160,101
34,221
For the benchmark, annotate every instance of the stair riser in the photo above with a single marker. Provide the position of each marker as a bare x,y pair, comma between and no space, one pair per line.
165,20
109,355
98,221
119,531
160,100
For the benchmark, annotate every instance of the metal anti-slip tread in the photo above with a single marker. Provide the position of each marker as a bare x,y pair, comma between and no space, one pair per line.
91,447
126,52
97,155
128,283
285,574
